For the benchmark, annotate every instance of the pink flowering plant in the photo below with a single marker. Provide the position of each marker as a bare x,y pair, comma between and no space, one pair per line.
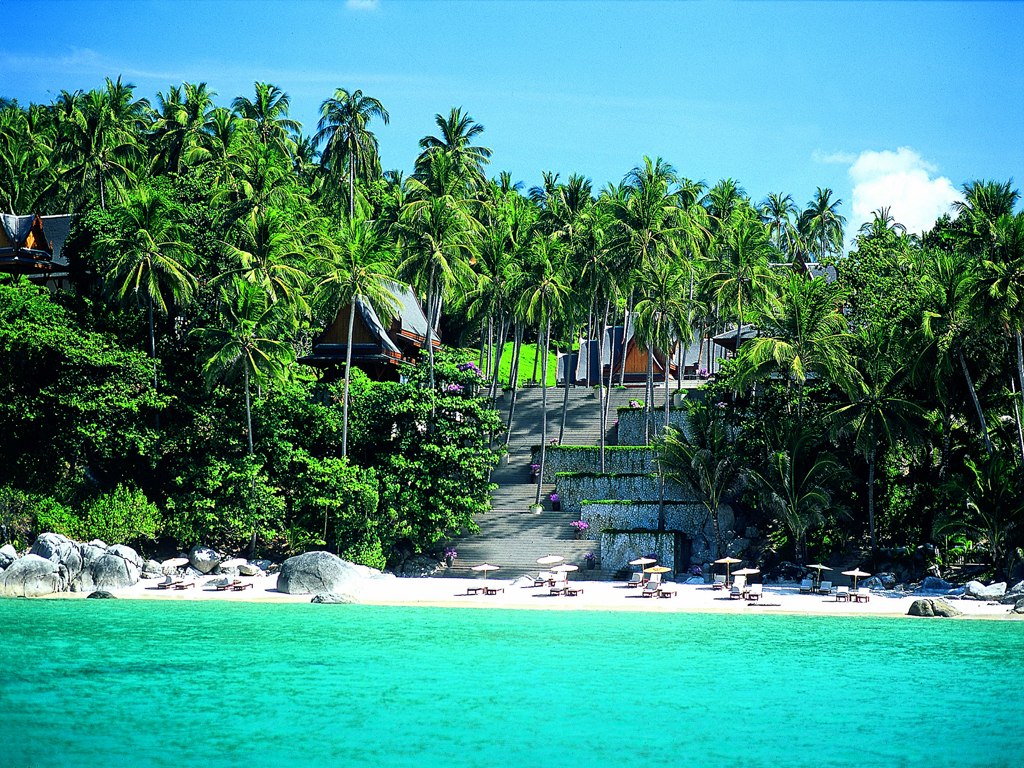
580,525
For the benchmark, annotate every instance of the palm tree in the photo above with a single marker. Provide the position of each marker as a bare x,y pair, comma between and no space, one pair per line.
984,202
360,269
268,113
269,253
801,332
882,224
247,343
778,212
148,261
796,484
181,126
348,143
703,459
877,412
457,131
821,223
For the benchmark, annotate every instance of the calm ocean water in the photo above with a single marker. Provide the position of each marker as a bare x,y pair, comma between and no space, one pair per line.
140,683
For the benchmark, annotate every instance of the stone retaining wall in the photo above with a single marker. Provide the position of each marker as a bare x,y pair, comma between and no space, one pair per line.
632,424
574,489
618,460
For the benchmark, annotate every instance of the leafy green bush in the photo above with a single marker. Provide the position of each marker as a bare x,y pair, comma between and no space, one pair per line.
123,516
23,515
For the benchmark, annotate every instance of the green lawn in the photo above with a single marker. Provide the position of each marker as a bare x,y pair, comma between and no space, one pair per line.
528,352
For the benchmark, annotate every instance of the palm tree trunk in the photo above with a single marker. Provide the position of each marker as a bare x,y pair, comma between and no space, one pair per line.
483,345
348,377
649,393
603,417
536,356
977,404
514,380
667,398
627,316
1020,379
351,188
871,495
248,411
430,325
543,408
496,371
565,397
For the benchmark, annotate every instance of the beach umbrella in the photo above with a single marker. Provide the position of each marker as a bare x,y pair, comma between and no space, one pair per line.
565,568
857,573
175,562
727,562
549,559
819,568
657,569
746,571
485,567
234,562
642,561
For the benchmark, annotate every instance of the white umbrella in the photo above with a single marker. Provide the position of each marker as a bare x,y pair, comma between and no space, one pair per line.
549,559
485,567
643,561
565,568
857,573
820,568
746,571
727,562
174,562
234,562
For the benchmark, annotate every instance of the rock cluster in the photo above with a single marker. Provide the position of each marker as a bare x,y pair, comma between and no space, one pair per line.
975,590
933,607
58,564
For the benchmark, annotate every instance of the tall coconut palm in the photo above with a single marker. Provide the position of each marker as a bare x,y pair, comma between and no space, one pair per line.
348,145
822,224
457,132
778,212
249,342
268,113
148,260
984,202
181,125
267,251
359,268
877,412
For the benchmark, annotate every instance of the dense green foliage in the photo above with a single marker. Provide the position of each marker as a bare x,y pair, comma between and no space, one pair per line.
212,243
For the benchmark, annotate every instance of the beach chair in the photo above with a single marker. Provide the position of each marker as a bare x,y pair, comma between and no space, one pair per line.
544,577
863,594
169,583
719,582
825,588
558,587
185,585
493,590
806,586
754,591
650,589
667,590
842,594
636,580
227,584
573,591
242,585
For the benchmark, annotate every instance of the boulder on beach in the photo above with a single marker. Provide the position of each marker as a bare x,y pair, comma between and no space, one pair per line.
333,598
975,590
318,573
935,584
33,576
419,566
1018,607
100,594
58,548
203,559
248,569
8,554
934,608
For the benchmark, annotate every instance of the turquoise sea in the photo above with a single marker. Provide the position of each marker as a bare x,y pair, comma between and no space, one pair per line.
161,683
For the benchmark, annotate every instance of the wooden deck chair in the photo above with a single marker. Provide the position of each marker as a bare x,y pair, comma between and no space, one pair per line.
806,586
825,588
754,591
636,580
842,594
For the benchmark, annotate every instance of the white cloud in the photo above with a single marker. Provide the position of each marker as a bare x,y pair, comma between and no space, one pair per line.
842,158
362,5
902,180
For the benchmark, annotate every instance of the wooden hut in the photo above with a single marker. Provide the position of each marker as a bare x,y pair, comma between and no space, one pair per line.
378,348
32,245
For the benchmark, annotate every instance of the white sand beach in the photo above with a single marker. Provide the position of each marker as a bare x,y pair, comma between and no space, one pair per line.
594,596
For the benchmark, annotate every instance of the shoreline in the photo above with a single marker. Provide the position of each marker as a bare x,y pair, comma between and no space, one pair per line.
432,592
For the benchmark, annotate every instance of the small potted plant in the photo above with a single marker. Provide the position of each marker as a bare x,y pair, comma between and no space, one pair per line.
536,508
579,526
556,504
449,556
598,391
634,404
534,471
590,560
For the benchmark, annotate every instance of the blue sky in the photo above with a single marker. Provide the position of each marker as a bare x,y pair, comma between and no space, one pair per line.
887,103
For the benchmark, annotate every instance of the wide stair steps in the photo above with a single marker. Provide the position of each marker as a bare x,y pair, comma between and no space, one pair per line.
512,537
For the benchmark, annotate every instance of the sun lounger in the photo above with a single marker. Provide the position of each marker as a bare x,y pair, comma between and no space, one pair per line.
493,590
558,587
185,585
863,594
573,591
651,589
168,583
544,577
719,582
754,591
474,590
242,585
735,592
825,588
806,587
667,590
636,580
227,585
842,594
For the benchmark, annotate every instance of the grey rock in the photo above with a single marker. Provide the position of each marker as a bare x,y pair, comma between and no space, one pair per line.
872,583
203,559
975,590
694,580
58,548
933,607
888,580
114,571
249,569
99,544
1018,606
130,555
151,569
263,565
33,576
100,595
935,584
230,571
419,566
8,554
332,598
317,573
1016,589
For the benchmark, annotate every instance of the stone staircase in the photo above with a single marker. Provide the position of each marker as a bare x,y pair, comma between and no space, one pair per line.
511,536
